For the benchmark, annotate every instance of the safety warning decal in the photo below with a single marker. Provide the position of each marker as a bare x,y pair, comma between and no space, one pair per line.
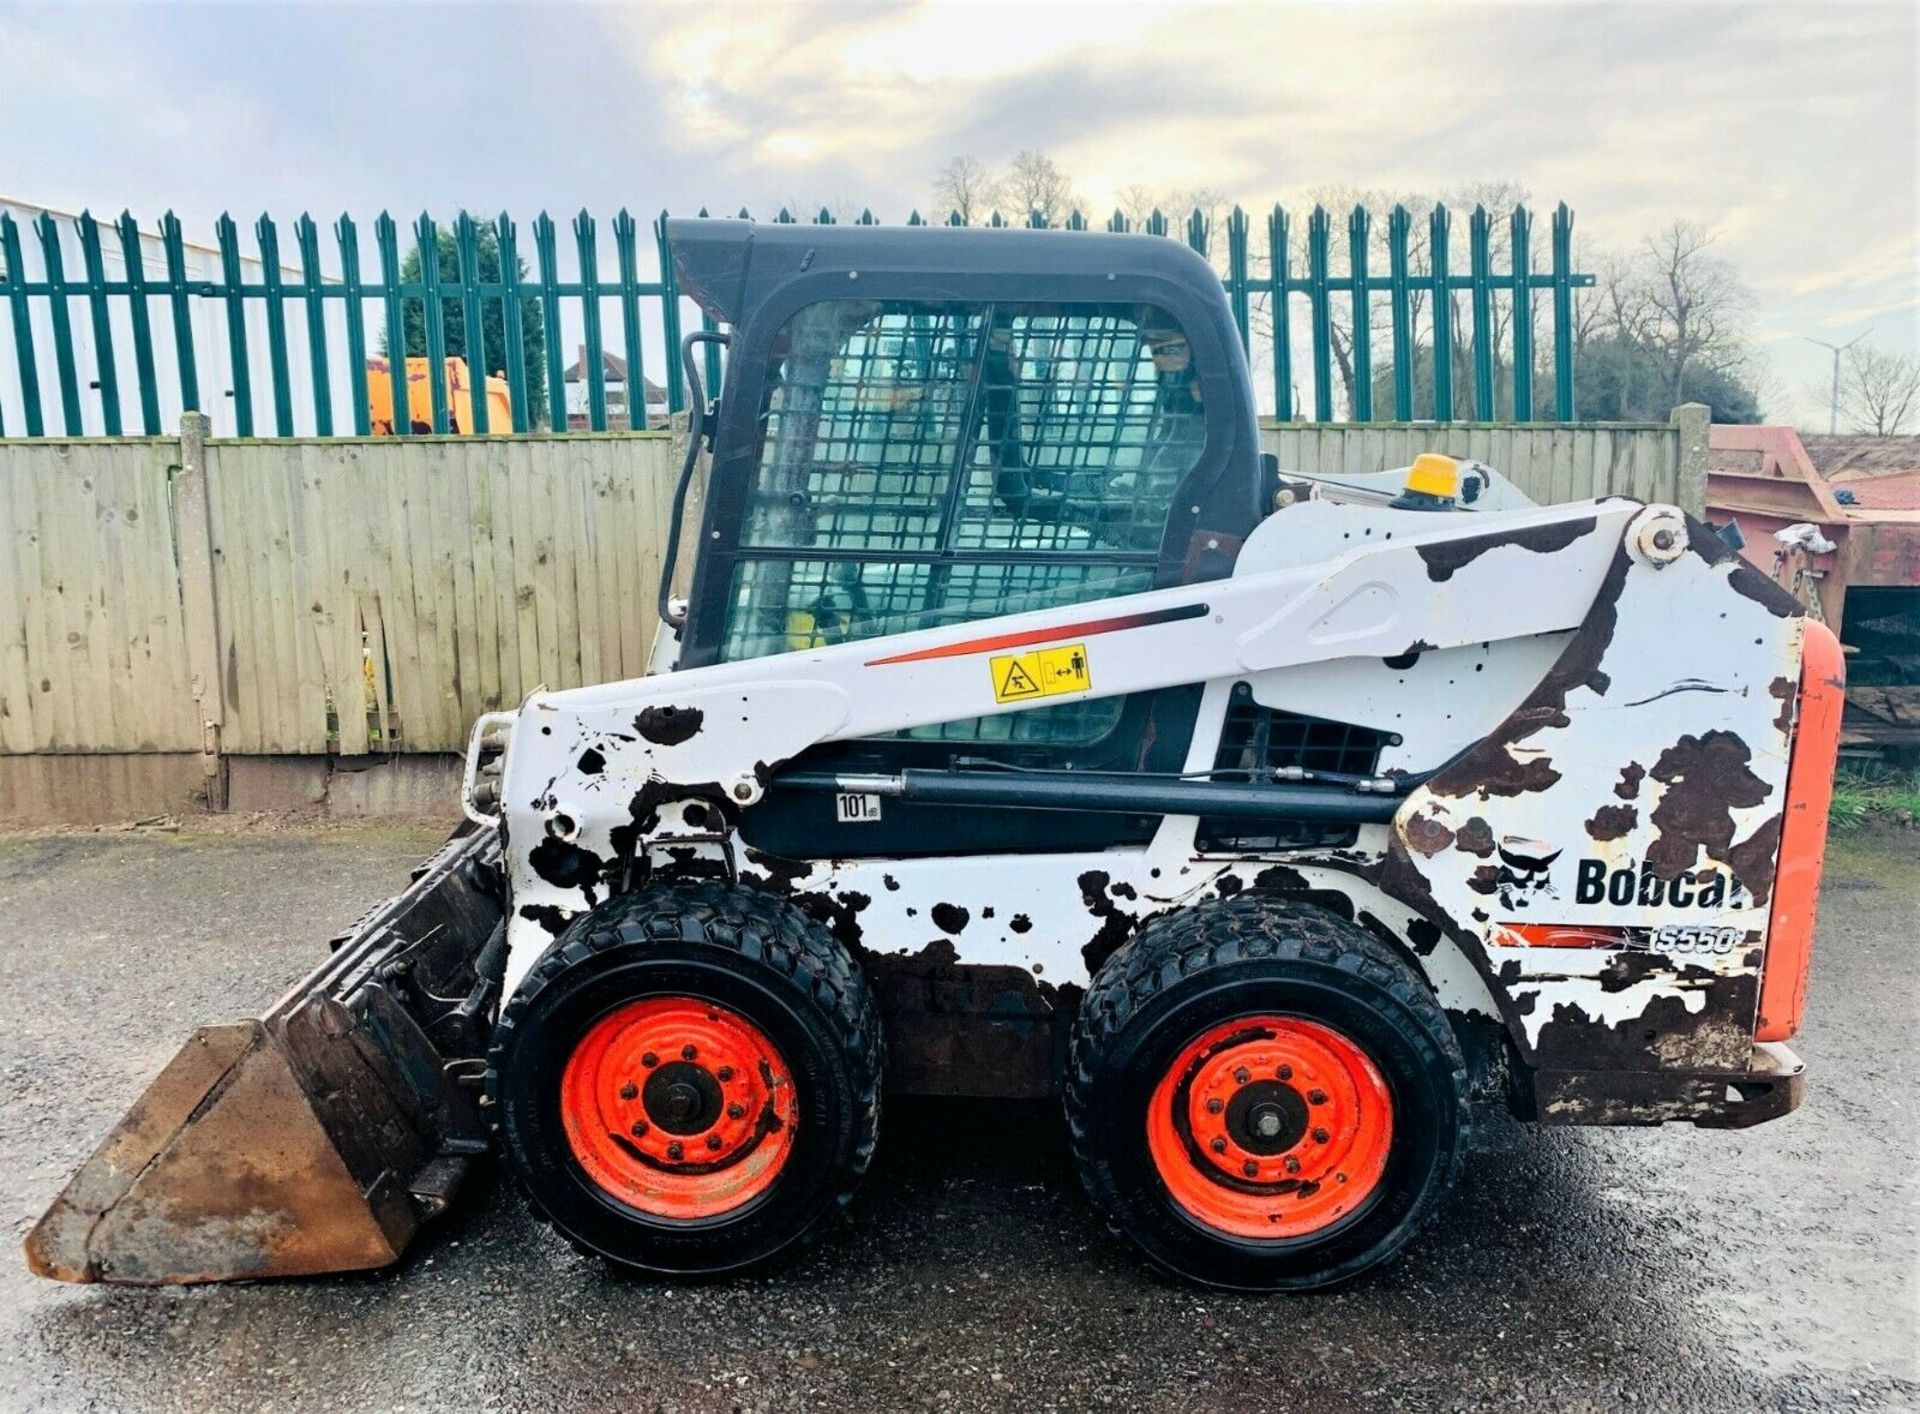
1045,672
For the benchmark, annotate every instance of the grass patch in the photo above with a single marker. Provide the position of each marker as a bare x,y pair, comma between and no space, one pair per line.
1872,793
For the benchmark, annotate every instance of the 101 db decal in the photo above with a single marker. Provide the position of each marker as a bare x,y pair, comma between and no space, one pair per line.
1045,672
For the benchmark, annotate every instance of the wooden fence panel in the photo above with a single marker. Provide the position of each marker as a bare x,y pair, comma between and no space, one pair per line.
381,594
1557,463
377,594
92,646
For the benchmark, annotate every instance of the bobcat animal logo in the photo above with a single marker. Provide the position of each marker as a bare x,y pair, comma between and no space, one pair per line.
1524,871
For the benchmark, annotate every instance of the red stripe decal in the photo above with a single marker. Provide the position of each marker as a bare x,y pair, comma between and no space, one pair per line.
1044,635
1560,935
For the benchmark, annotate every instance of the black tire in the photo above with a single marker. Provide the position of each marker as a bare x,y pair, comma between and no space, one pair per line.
752,953
1190,971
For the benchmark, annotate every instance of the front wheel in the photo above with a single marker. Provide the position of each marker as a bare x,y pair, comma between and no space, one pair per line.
688,1082
1264,1096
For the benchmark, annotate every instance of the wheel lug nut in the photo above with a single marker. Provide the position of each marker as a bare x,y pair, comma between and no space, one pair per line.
736,1111
724,1074
688,1052
1339,1178
1242,1076
639,1129
674,1150
1219,1146
1250,1169
629,1091
1317,1097
649,1060
1319,1136
1214,1106
713,1141
1285,1072
1293,1166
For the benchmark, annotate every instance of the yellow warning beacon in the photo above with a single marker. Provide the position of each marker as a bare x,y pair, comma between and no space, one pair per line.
1432,484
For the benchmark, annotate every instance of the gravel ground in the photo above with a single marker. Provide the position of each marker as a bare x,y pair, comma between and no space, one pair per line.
1574,1269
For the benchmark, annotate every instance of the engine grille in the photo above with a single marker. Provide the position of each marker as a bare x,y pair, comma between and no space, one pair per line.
1261,740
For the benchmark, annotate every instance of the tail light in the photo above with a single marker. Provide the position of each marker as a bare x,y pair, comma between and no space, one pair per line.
1803,834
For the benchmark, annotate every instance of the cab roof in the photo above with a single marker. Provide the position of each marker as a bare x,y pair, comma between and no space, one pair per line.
732,267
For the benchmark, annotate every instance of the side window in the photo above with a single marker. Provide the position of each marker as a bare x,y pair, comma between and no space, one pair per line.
865,418
928,464
1089,420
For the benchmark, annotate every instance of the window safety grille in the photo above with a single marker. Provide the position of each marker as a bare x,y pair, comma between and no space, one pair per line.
865,420
952,463
1086,428
1070,427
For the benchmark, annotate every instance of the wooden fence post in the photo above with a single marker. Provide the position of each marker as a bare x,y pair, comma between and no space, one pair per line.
193,525
1694,420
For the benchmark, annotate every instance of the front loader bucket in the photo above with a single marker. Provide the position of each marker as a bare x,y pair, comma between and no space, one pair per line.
321,1136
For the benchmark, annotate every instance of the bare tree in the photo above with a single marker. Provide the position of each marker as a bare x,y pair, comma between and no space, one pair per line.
967,187
1695,306
1499,199
1036,183
1137,202
1879,389
1339,203
1618,307
1214,206
807,206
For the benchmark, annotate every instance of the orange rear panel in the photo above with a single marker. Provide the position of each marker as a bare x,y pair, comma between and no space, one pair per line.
1803,835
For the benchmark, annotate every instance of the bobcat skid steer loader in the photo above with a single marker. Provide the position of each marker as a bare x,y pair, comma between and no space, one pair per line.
1026,732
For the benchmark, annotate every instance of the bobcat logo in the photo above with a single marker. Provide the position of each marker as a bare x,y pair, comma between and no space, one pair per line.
1524,866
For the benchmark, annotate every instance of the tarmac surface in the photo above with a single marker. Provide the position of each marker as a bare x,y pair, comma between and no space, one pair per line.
1661,1269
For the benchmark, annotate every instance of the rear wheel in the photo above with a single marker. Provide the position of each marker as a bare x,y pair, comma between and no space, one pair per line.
1264,1096
688,1081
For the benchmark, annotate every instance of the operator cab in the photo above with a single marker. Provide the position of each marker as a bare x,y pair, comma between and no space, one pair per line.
927,426
910,439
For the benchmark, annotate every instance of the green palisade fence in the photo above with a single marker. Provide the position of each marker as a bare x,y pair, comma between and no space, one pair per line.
269,343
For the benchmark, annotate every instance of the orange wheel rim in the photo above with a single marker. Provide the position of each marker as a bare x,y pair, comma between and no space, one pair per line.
679,1107
1270,1127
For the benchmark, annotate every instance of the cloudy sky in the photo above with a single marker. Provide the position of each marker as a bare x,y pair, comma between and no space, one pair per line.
1789,130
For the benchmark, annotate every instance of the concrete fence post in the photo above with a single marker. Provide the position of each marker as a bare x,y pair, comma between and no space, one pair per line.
1694,422
193,527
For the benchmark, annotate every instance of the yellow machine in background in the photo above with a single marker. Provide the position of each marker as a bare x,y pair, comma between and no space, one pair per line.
420,398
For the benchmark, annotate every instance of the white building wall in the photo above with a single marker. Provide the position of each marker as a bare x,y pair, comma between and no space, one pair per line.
212,355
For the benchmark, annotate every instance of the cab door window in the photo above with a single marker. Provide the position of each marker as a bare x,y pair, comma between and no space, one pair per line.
926,464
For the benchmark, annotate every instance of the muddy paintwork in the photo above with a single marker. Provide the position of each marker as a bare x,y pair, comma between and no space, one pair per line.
1595,686
1663,697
